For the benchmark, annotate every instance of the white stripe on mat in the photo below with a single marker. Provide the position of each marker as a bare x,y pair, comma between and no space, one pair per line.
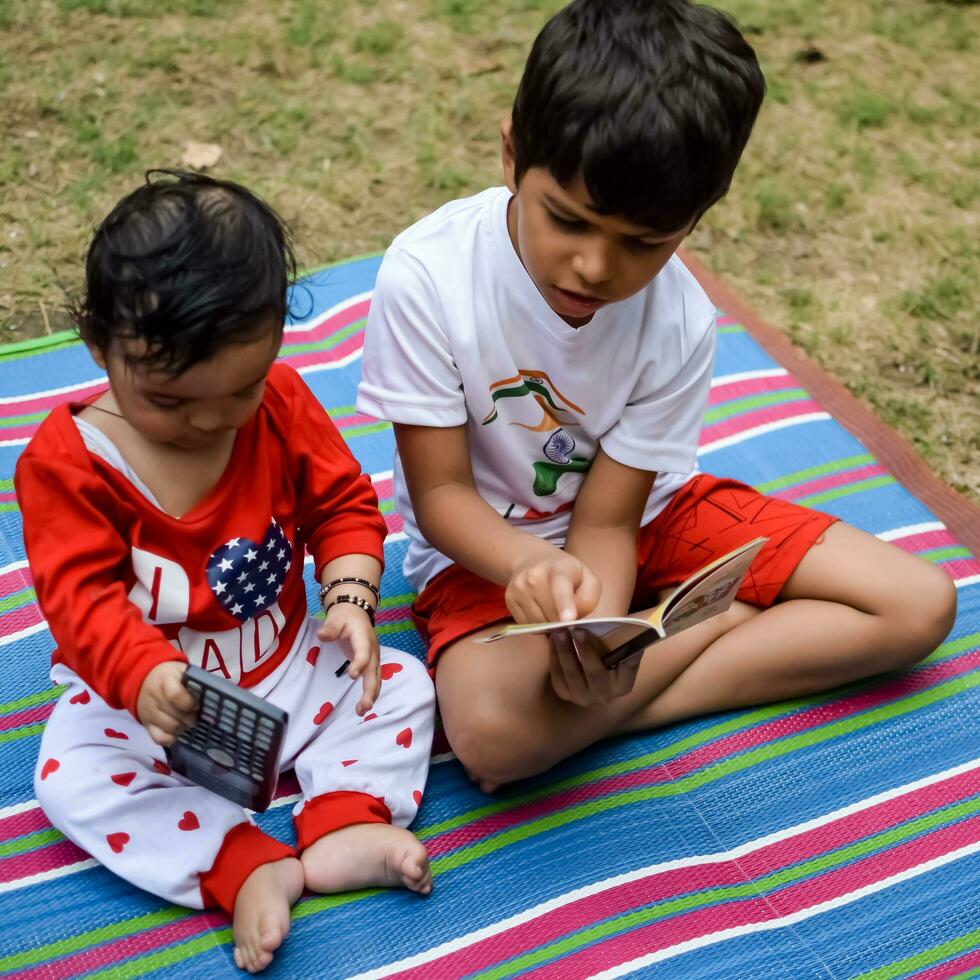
31,395
735,853
906,532
727,379
761,430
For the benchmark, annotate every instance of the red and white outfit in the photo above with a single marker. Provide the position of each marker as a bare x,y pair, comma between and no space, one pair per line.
125,586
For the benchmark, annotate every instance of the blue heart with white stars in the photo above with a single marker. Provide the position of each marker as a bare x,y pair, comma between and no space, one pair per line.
246,577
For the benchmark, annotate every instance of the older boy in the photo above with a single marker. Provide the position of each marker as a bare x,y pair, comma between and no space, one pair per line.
546,360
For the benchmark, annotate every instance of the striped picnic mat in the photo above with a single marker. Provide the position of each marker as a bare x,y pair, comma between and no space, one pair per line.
836,836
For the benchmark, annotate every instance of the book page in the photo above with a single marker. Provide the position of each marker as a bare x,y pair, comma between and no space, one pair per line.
711,594
613,631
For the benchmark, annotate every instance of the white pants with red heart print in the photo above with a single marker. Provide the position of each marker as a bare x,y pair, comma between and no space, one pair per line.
104,783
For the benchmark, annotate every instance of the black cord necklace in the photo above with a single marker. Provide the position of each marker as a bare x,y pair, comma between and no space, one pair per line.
107,412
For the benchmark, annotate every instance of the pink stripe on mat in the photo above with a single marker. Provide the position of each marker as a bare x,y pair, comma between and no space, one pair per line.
16,580
342,318
25,822
31,863
659,886
925,541
961,568
29,716
315,357
44,403
349,421
761,416
750,386
21,618
729,915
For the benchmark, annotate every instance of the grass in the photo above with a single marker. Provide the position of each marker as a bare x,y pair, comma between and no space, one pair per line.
851,223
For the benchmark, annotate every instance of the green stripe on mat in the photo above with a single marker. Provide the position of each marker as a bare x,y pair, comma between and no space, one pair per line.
290,350
732,328
94,937
16,599
717,895
11,420
166,957
871,484
927,957
25,731
800,476
42,697
738,405
533,828
364,430
945,554
29,841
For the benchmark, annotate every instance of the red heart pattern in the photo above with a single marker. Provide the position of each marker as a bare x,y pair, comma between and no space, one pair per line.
404,738
348,762
112,733
389,670
312,654
117,841
83,697
123,778
321,716
417,796
161,767
188,821
370,716
52,765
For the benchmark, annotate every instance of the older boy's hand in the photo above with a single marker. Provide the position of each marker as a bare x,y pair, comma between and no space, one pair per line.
555,588
349,624
577,671
164,706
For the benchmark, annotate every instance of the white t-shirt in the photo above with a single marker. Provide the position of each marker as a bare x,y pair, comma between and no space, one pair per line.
458,334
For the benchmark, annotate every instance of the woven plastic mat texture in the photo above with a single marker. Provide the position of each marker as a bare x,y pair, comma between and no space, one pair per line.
837,836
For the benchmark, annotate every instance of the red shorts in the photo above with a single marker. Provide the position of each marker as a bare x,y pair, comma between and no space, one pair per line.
707,518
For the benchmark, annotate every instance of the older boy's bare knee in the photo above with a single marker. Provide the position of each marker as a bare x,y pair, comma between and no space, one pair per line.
487,741
918,625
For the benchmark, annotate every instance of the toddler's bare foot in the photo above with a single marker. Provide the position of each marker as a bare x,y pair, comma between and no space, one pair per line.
262,912
367,854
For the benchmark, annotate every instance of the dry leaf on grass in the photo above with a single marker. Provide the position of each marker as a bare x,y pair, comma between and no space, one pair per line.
200,156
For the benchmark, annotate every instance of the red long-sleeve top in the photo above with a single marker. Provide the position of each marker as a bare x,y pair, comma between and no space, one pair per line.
125,586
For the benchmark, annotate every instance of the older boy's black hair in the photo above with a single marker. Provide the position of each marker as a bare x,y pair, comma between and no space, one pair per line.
187,263
650,101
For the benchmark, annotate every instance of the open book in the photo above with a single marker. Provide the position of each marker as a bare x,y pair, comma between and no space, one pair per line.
708,592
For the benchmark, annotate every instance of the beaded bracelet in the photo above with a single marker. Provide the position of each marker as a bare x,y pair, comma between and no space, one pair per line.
354,600
353,580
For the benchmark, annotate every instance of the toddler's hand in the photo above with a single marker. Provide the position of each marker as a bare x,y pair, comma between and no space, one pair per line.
350,623
555,588
164,706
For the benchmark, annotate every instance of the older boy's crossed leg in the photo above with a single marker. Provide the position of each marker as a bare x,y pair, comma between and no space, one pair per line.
854,607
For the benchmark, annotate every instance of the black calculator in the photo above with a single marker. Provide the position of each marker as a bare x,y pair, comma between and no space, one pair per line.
234,748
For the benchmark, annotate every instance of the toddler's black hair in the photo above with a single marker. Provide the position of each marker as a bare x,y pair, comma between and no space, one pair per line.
187,263
651,102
